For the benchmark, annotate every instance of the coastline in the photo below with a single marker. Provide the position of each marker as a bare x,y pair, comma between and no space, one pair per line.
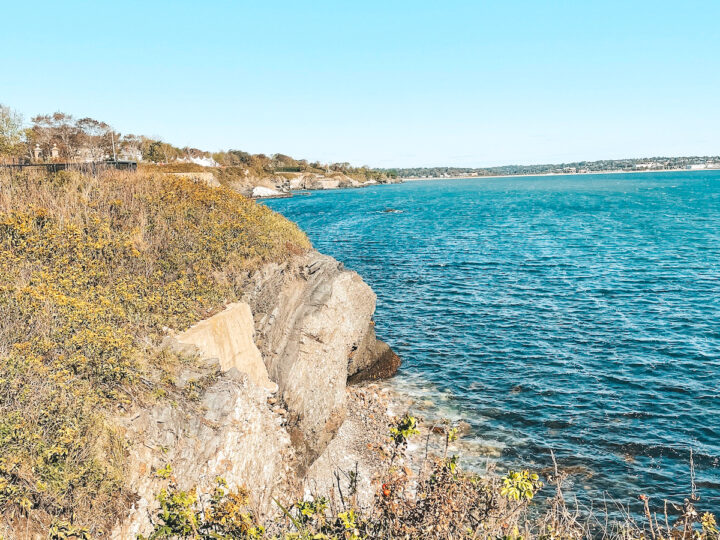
282,190
590,173
307,322
580,475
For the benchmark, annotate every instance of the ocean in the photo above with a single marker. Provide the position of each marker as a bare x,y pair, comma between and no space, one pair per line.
576,314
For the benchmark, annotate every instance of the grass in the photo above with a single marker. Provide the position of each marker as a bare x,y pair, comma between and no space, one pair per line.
91,272
176,167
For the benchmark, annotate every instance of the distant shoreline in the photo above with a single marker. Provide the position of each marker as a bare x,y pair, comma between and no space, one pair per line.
619,171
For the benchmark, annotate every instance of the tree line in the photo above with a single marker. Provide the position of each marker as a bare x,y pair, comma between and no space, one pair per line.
62,137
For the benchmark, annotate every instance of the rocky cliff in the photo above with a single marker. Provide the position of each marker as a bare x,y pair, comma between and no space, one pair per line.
270,186
279,184
274,393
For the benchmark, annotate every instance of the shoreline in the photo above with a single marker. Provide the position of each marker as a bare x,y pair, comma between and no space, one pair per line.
309,191
591,173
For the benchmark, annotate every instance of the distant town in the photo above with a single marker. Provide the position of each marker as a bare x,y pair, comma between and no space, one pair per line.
580,167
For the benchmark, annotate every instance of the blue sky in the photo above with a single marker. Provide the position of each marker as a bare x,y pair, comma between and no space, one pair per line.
386,83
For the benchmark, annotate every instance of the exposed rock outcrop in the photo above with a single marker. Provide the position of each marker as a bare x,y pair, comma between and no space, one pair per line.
372,360
228,337
232,434
262,191
310,315
385,365
303,327
354,461
287,182
330,181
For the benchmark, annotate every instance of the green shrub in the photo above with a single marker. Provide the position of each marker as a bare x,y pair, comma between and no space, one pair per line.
520,485
404,429
227,515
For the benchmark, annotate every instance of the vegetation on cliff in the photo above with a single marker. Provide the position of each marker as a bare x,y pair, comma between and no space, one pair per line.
92,270
436,500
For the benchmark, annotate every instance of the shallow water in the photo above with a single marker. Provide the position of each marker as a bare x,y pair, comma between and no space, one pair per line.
574,313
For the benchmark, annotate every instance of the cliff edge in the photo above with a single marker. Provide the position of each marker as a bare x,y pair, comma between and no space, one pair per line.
158,331
262,426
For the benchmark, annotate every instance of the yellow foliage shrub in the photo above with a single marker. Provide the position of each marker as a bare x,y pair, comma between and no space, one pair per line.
91,271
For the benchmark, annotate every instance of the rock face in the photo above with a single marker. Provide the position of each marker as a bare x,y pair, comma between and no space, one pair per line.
228,337
355,455
373,359
262,191
312,325
310,315
383,364
279,185
232,434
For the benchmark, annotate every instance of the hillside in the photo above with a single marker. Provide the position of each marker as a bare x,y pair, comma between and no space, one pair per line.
91,272
107,380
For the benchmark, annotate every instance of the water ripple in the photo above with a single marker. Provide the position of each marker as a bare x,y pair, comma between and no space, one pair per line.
579,314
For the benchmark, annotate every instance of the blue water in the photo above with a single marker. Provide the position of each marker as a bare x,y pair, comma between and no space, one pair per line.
574,313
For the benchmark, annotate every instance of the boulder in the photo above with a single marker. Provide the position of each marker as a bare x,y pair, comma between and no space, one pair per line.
262,191
373,359
385,365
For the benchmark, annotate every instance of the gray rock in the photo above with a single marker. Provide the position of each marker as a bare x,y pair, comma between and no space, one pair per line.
372,360
232,434
321,313
385,365
313,327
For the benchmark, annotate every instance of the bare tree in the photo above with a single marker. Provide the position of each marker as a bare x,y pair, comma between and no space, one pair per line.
95,138
57,129
130,147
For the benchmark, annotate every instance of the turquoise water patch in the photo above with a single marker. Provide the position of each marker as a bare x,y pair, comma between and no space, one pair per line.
574,313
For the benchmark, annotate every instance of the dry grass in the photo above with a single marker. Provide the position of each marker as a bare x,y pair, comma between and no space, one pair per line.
91,272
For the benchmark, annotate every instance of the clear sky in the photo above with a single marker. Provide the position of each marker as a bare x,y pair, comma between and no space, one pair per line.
384,83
